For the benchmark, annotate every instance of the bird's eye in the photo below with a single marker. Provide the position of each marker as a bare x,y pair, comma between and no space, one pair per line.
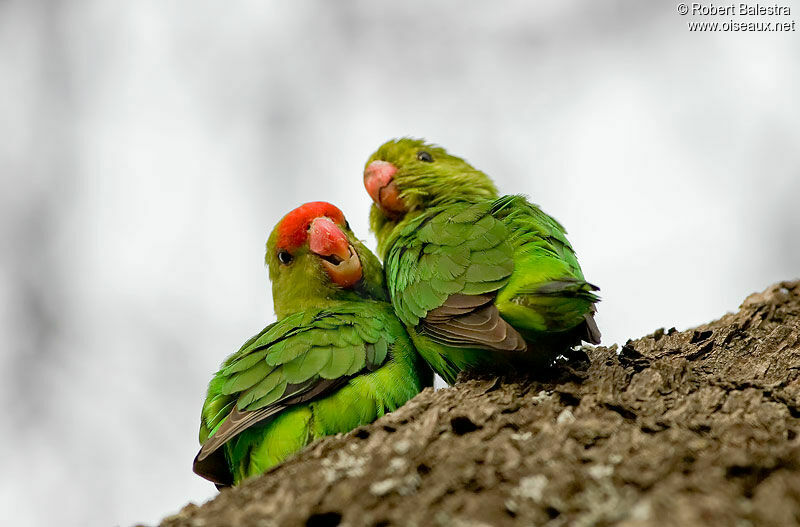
424,156
285,257
347,225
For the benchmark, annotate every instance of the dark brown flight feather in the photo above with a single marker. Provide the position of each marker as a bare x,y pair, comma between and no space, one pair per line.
471,321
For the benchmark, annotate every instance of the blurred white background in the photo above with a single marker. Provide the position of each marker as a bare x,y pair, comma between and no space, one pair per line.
147,148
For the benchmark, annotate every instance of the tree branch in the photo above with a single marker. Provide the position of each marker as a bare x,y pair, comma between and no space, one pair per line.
677,428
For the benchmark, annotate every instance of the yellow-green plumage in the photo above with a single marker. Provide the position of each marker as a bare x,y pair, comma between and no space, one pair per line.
462,264
341,361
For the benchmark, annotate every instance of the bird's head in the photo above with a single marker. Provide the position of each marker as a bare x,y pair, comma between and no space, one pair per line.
406,175
313,254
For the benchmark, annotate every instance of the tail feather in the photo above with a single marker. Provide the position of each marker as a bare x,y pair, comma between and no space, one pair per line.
592,331
568,287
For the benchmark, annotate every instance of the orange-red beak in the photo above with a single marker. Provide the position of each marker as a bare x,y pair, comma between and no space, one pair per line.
339,257
380,184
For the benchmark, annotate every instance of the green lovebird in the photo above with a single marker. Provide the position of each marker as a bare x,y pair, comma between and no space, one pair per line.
337,357
481,282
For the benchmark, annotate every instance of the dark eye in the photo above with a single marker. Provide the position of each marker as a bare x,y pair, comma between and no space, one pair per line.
422,155
347,225
285,257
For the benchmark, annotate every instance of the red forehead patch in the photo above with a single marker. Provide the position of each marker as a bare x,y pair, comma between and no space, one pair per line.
293,228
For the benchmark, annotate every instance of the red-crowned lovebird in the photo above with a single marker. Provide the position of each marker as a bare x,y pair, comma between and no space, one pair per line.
481,282
337,357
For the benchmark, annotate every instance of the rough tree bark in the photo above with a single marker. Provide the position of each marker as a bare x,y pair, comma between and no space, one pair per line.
677,428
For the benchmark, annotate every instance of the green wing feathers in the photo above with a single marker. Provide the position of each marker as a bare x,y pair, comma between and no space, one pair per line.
299,358
506,250
460,248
